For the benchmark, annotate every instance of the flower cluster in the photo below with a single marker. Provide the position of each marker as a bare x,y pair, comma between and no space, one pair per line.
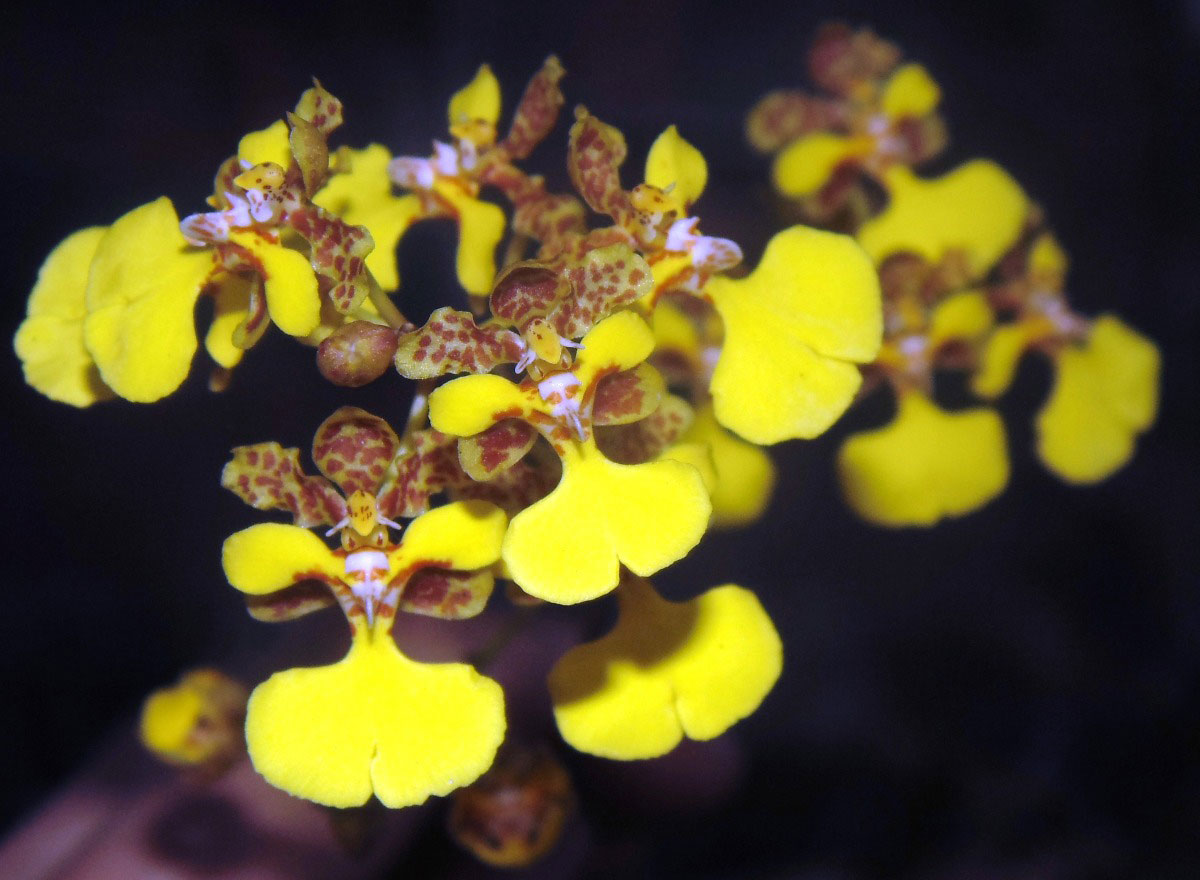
601,403
972,279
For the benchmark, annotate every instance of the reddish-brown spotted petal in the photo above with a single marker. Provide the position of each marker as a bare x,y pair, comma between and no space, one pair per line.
526,290
451,595
603,281
450,342
594,161
645,440
782,116
537,112
291,602
339,253
354,448
496,449
428,466
841,59
268,477
628,396
529,480
320,108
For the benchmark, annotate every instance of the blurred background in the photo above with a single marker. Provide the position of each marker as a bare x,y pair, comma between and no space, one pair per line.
1015,694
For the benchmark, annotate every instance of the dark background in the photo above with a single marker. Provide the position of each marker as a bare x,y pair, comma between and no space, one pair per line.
1013,694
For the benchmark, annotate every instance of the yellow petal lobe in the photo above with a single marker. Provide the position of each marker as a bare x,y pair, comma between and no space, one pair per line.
288,281
1002,352
477,100
976,208
910,91
1105,394
480,228
667,670
961,316
568,547
230,308
745,474
926,464
462,535
49,341
673,162
471,404
808,162
141,294
269,144
270,556
794,330
376,722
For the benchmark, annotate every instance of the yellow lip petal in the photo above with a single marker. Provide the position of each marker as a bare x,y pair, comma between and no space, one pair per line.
976,208
141,294
376,722
808,162
794,330
673,162
911,92
49,341
270,556
926,464
667,670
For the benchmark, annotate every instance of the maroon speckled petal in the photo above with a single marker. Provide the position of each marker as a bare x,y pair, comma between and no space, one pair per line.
354,449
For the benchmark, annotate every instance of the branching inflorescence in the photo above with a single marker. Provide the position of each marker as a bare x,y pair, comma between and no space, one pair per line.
614,385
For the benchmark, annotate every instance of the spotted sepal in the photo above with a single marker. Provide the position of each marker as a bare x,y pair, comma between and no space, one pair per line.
448,594
527,481
594,160
646,439
291,602
537,111
338,256
628,396
783,116
268,477
496,449
354,449
320,108
603,281
427,465
451,342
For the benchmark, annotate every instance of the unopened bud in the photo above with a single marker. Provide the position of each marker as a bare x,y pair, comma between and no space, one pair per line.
197,722
357,353
512,815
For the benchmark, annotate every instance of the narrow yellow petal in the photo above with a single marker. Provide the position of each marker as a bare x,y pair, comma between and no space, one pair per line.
926,464
464,407
478,99
794,330
231,306
910,91
808,162
49,341
673,162
141,294
619,342
462,535
270,556
376,722
977,208
1001,354
667,670
288,281
269,144
745,474
480,227
961,316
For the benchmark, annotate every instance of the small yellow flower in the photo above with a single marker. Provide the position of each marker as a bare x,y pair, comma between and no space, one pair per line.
568,547
375,722
926,464
1105,394
667,670
795,330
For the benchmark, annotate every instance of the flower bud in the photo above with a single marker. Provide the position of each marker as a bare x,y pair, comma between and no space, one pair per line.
357,353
